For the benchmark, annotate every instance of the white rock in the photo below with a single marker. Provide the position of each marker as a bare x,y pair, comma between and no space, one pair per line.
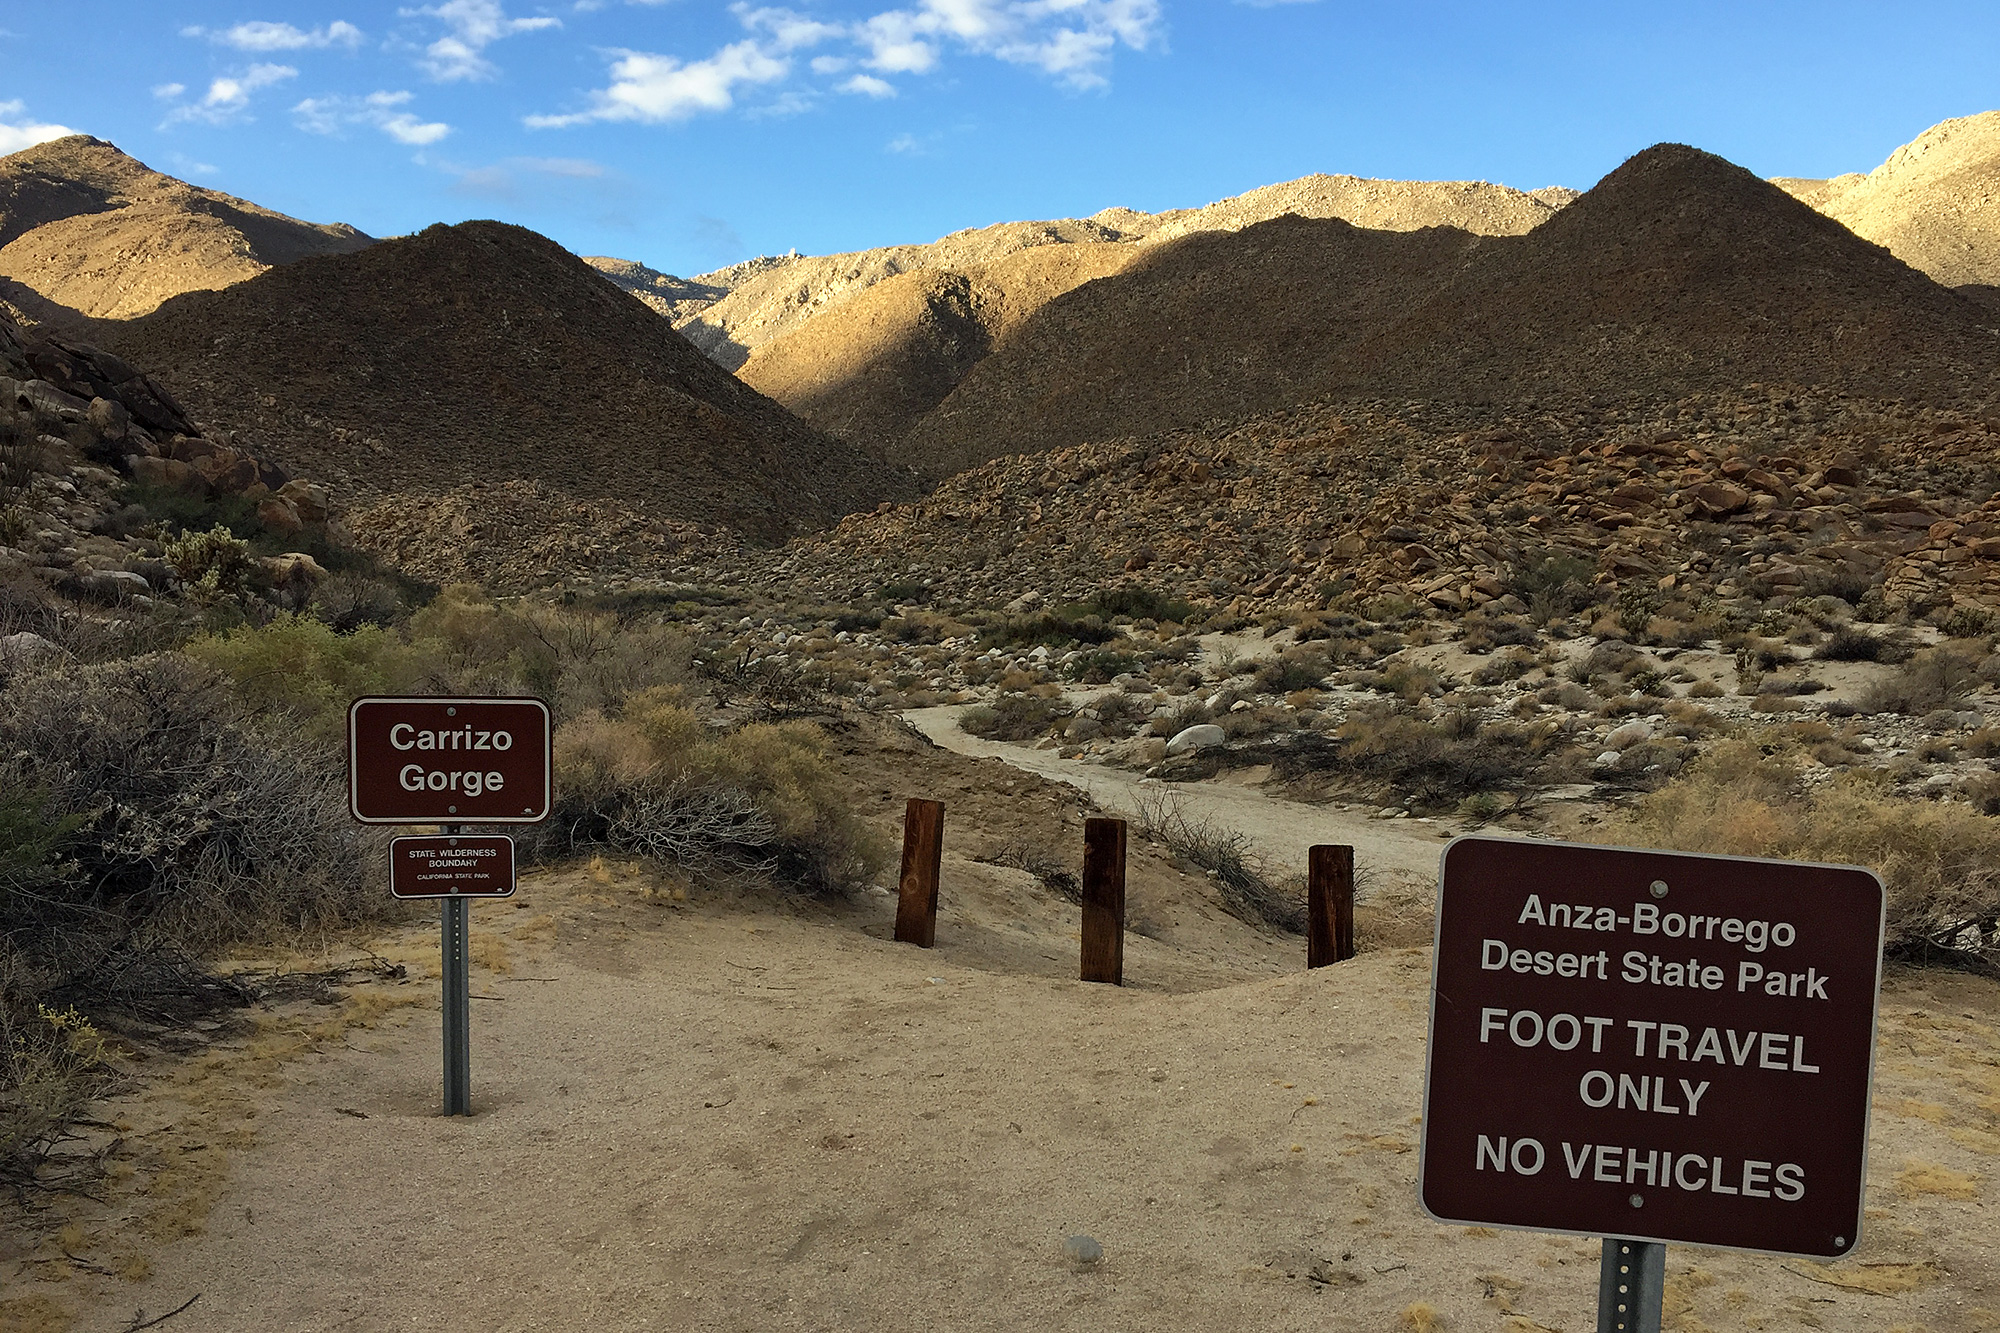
1198,737
1627,736
1605,760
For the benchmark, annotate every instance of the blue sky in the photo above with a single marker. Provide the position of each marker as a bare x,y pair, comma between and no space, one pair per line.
692,133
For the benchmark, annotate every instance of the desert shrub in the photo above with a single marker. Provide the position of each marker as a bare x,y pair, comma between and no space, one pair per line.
1012,717
166,822
1044,863
1568,694
1241,882
53,1064
656,781
1433,764
1137,602
1940,860
1411,682
1854,643
1291,672
1938,678
1554,585
18,449
1055,629
1705,689
1097,668
211,564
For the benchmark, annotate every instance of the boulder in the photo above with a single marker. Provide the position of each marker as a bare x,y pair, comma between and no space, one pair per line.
170,474
278,515
312,502
1198,737
1627,736
109,418
1717,498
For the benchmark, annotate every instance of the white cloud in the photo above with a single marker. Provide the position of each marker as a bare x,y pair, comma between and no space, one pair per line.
262,35
475,25
1072,41
655,88
229,96
870,86
25,134
329,115
167,92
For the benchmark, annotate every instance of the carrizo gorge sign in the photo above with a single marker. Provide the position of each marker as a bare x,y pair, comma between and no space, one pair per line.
450,762
1651,1045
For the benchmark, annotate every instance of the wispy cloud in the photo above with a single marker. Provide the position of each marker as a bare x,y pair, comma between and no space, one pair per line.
329,115
261,35
520,180
16,135
228,97
473,26
167,92
1072,41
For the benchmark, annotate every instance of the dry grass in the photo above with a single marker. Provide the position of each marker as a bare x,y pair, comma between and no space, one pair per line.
1939,860
1919,1178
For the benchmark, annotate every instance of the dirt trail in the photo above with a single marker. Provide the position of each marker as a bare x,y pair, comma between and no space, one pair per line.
1402,852
742,1118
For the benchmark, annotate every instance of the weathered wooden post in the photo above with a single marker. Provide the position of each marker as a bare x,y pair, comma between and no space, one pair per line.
1104,900
917,892
1329,905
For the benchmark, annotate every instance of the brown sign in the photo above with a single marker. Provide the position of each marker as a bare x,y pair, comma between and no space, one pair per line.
452,866
1651,1045
448,761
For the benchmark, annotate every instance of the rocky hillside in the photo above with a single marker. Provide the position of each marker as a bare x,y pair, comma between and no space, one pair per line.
86,230
1761,493
1679,273
482,354
1935,203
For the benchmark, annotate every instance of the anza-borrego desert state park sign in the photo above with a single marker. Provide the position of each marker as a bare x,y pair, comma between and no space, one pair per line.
1653,1046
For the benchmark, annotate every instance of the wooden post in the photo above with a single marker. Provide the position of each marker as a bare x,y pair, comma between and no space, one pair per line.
1329,905
923,849
1104,900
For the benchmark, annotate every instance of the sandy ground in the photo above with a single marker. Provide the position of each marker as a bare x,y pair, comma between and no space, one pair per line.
740,1111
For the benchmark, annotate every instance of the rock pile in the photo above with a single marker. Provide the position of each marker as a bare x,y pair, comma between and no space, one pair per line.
90,423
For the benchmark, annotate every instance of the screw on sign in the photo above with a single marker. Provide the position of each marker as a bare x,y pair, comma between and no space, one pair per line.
1650,1045
419,761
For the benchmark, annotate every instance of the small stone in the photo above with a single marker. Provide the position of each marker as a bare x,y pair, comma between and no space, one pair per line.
1083,1251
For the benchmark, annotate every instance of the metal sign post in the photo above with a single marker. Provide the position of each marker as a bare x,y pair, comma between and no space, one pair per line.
1631,1287
457,927
1651,1047
446,761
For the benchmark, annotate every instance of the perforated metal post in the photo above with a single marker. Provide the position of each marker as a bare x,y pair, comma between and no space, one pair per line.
457,925
1631,1287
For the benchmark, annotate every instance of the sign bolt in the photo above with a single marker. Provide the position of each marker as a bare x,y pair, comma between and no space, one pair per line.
1659,888
1638,1201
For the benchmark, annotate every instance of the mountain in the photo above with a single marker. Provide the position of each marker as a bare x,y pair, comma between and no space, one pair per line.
869,370
663,293
484,353
1677,273
1935,203
767,298
88,231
